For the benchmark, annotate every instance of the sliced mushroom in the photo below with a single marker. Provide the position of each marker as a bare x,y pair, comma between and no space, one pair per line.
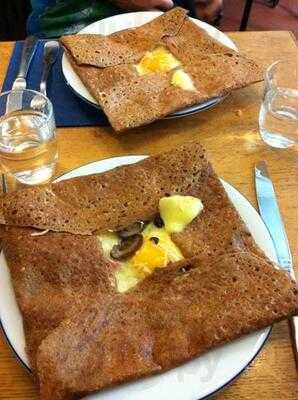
133,229
127,247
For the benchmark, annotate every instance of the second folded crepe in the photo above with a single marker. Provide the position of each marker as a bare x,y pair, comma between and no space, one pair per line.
140,75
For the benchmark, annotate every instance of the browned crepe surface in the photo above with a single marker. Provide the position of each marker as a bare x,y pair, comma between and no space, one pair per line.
54,265
173,316
106,67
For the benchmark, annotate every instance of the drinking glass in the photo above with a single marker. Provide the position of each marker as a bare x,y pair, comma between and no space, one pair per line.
28,146
278,118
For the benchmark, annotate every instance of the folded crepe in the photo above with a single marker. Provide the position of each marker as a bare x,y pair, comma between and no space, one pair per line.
65,284
111,67
70,269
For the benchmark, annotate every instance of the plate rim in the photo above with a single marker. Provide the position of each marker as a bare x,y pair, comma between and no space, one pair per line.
136,158
176,114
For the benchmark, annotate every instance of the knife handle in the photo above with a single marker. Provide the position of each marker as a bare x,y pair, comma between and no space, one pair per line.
27,54
294,334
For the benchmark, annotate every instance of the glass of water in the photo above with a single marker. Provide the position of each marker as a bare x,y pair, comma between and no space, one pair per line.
28,146
278,119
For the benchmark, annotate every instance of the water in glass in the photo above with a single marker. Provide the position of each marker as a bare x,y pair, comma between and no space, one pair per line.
28,147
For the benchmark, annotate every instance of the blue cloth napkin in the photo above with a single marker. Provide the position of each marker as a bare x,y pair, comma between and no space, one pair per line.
69,109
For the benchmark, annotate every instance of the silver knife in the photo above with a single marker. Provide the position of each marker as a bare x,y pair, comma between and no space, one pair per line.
14,100
270,214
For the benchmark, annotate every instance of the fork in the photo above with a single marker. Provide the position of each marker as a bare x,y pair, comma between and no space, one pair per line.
51,49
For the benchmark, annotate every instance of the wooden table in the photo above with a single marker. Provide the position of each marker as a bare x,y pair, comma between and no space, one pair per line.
230,134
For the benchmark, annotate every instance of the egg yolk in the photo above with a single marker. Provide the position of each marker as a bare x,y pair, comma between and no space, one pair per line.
164,242
157,60
149,257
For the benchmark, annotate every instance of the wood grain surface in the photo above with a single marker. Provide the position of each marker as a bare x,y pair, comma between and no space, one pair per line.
230,134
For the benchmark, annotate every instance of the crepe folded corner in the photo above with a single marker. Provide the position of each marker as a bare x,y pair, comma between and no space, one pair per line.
53,276
176,314
96,203
107,67
82,335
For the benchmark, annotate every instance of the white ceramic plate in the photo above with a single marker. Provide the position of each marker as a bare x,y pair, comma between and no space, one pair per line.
193,380
132,20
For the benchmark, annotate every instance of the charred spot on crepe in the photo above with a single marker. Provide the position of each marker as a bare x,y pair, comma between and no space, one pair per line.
185,269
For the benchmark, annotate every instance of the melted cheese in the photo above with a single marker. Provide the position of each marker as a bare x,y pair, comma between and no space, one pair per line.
126,277
182,80
178,211
107,241
157,60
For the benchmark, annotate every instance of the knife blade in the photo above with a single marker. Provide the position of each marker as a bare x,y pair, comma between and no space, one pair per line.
270,214
269,210
14,100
